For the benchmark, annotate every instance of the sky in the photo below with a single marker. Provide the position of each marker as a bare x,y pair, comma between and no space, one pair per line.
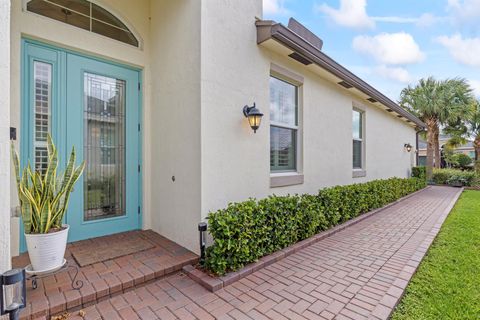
393,43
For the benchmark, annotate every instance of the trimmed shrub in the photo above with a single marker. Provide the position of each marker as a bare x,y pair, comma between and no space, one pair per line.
419,172
246,231
451,176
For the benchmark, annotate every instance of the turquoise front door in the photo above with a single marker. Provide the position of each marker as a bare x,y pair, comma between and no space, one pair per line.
93,105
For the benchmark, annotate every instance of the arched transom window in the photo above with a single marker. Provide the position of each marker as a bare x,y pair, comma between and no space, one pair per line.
85,15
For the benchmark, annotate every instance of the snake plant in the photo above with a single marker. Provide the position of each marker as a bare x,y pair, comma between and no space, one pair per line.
44,196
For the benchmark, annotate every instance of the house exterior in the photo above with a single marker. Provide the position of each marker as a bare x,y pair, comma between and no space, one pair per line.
151,94
467,149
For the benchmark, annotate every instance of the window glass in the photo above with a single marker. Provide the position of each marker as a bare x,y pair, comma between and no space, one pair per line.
357,154
100,14
283,127
283,102
357,130
80,6
422,161
85,15
113,32
282,149
357,125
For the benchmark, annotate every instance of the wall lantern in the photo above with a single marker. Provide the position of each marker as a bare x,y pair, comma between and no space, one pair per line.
408,147
254,116
13,293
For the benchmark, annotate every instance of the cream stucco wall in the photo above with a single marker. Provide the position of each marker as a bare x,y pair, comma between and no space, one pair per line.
175,131
235,161
4,135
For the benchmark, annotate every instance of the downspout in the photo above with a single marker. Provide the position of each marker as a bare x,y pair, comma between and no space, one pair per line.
416,147
417,133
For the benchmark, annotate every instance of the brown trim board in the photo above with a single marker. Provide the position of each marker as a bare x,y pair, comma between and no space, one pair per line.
267,30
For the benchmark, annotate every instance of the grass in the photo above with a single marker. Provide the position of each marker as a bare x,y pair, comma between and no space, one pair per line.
447,283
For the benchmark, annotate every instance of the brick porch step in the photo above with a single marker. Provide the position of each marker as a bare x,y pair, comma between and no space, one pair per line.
103,280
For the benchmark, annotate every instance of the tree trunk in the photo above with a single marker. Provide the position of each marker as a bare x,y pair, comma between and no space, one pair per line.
431,125
476,145
437,155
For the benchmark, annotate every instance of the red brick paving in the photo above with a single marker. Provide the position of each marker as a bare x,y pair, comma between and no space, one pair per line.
104,279
357,273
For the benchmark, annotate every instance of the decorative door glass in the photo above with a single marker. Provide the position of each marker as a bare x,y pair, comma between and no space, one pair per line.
104,147
42,102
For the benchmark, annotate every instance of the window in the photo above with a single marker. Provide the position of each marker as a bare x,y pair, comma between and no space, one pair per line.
471,154
283,125
422,161
85,15
42,77
357,122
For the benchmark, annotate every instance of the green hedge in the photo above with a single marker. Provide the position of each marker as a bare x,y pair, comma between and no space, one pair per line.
246,231
449,176
419,172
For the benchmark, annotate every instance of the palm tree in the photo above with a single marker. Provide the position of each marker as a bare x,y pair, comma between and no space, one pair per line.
469,129
474,125
456,102
437,103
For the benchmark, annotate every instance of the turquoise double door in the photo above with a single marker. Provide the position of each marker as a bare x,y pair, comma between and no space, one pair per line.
94,106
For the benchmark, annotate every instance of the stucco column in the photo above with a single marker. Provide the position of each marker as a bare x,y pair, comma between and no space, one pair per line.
4,135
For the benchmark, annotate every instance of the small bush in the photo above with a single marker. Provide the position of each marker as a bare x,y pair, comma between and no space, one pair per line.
244,232
477,166
450,176
460,160
419,172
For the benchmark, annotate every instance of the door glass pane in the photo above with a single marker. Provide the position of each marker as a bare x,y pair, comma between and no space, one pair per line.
104,147
42,73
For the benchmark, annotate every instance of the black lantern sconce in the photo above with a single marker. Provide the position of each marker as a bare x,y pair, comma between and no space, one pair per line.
408,147
202,228
13,293
254,116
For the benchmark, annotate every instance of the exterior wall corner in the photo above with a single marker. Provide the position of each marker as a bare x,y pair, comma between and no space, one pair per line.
5,261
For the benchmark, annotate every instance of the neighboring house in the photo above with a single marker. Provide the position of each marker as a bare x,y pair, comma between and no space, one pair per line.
466,148
151,94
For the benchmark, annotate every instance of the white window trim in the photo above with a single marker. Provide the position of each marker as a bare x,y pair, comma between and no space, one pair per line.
283,179
284,125
362,171
290,177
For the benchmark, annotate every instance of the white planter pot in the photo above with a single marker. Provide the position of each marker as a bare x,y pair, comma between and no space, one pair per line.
46,251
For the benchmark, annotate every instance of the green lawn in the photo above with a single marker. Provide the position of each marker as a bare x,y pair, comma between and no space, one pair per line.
447,283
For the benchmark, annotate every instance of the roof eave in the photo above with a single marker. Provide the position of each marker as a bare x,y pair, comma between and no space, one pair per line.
267,30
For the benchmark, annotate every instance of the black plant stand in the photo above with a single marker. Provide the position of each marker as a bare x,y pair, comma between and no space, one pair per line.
77,284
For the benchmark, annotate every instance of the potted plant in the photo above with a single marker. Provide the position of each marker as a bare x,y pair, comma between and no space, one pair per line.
43,204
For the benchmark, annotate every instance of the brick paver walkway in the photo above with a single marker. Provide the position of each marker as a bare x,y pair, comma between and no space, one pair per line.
103,279
358,273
